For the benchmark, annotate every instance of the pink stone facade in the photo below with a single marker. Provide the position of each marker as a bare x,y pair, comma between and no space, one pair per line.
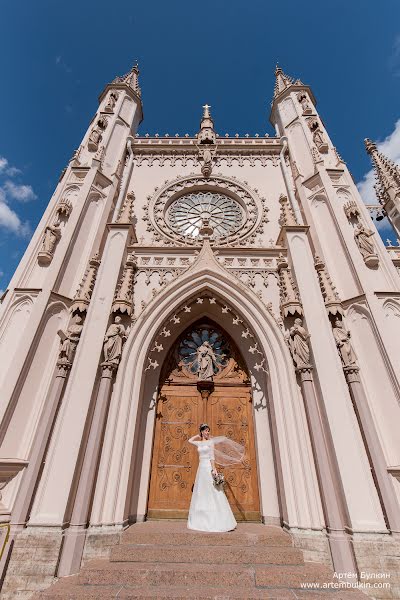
300,280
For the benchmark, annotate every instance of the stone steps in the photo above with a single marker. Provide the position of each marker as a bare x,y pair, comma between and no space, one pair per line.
165,561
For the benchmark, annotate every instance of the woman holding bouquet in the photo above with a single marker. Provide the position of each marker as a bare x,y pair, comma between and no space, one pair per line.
209,507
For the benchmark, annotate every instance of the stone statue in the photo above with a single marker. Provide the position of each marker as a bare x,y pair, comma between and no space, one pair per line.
113,341
298,343
362,238
95,138
318,138
342,339
206,362
305,104
70,340
109,107
206,154
50,238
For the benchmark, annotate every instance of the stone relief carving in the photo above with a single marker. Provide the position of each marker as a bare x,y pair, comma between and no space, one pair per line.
286,217
342,339
329,293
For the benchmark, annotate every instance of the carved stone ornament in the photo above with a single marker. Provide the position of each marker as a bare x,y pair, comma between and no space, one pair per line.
84,293
286,217
362,237
69,342
126,212
331,297
342,339
289,298
351,209
241,199
318,137
298,341
123,300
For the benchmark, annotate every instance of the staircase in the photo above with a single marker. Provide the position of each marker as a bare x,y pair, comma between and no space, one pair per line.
164,560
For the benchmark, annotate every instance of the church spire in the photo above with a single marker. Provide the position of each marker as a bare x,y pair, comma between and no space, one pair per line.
131,79
387,173
283,81
206,135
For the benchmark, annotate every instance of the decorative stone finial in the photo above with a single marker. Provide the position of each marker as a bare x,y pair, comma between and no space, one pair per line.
126,212
289,297
387,174
131,79
206,141
84,293
287,216
123,299
331,297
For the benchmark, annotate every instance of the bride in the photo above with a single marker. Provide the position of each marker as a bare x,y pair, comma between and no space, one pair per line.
209,507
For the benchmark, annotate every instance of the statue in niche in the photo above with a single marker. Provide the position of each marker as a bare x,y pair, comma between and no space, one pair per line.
206,361
50,238
342,339
206,154
298,343
109,107
70,340
95,138
113,341
362,237
302,98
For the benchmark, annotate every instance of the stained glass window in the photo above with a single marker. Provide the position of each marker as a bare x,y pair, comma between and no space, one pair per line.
195,339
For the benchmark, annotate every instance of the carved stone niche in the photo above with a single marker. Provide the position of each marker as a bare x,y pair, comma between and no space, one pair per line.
318,137
50,239
303,99
95,136
112,100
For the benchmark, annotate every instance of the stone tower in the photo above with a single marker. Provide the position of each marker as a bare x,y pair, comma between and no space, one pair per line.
150,246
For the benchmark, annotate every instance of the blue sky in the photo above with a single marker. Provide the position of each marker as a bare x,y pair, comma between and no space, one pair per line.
57,56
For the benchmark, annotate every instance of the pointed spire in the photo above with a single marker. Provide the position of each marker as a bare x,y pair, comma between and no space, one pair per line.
126,212
283,81
387,173
206,135
131,79
123,299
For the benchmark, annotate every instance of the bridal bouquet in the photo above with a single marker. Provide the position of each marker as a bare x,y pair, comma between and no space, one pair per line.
219,479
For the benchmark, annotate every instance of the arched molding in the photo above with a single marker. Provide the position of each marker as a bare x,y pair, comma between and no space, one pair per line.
292,447
391,308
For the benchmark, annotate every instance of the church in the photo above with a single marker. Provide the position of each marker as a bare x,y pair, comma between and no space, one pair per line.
258,251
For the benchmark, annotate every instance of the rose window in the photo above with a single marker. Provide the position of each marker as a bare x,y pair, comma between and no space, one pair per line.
197,213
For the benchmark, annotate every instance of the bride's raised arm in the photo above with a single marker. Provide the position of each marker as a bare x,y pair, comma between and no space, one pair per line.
194,440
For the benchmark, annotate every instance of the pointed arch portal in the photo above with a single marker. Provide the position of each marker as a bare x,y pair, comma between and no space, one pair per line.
184,401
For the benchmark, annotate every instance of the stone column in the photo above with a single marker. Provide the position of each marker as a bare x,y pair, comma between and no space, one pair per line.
361,498
330,487
59,472
374,448
75,535
23,501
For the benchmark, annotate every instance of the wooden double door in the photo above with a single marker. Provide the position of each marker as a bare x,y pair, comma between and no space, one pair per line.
180,409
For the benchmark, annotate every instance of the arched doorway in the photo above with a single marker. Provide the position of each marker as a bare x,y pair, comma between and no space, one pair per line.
184,401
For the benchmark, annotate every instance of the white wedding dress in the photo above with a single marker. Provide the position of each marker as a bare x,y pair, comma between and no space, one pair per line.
209,507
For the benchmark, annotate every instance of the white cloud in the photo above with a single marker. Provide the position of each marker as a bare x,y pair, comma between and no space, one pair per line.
6,169
10,220
22,193
391,148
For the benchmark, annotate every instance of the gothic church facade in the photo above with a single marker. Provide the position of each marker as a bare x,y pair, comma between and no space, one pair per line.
152,246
